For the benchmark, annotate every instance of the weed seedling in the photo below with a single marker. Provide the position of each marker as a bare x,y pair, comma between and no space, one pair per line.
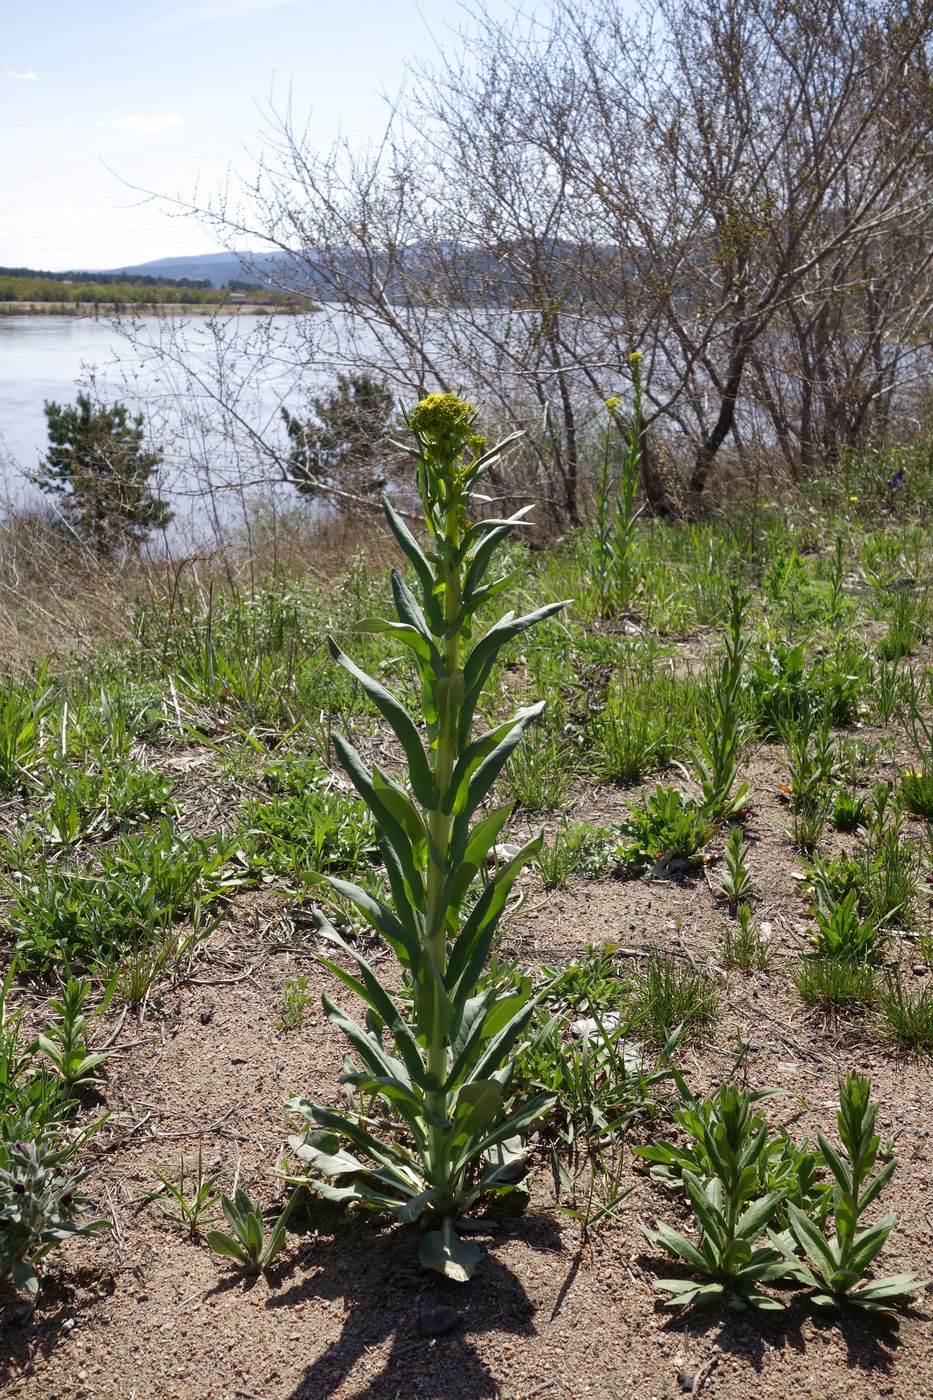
788,1167
670,830
735,882
843,934
187,1198
666,995
249,1244
835,1265
917,793
849,811
39,1208
835,985
577,848
295,1001
539,773
746,946
721,720
731,1211
65,1043
906,1018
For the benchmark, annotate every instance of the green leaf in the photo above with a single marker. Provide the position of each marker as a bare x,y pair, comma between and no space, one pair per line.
705,1208
839,1168
368,1046
875,1187
675,1243
408,1213
24,1277
890,1288
222,1243
468,852
412,637
762,1302
687,1294
373,994
444,1252
481,752
406,605
868,1244
393,837
510,1126
403,727
812,1241
388,1155
492,1052
467,1026
406,940
482,657
758,1215
472,944
478,1103
412,551
321,1150
488,534
484,774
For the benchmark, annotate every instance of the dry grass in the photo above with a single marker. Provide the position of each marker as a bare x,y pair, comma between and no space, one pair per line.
60,598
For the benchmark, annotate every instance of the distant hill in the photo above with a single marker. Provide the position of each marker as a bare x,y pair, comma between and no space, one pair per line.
415,270
217,269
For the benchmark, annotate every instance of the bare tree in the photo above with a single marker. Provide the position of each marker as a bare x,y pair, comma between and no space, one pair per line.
739,189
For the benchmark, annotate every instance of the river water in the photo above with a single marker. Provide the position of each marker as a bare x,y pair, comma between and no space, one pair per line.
210,391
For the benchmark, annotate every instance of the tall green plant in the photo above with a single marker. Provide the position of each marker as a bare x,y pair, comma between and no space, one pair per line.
441,1063
616,579
721,723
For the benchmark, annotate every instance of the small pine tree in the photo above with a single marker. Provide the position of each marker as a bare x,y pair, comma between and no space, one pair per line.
100,475
339,446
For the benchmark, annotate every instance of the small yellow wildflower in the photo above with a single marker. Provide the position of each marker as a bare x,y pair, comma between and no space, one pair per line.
440,416
853,499
636,357
613,403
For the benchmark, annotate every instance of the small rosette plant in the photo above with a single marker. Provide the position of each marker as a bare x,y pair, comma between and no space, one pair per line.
439,1059
39,1207
835,1265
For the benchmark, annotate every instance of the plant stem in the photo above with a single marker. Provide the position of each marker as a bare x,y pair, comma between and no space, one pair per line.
450,695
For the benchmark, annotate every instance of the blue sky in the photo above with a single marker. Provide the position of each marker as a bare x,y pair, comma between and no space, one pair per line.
168,97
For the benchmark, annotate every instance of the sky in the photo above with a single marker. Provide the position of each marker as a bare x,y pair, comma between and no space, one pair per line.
106,102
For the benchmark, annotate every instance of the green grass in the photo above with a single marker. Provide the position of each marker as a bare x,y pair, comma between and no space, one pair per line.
666,994
834,985
905,1014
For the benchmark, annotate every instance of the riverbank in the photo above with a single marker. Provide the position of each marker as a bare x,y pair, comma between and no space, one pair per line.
95,310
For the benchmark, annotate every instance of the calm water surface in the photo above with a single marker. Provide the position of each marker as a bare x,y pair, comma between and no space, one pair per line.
44,357
50,358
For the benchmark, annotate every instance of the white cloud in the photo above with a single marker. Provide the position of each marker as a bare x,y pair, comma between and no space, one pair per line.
136,123
29,75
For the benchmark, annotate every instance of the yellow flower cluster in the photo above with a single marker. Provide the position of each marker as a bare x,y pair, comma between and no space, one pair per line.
440,417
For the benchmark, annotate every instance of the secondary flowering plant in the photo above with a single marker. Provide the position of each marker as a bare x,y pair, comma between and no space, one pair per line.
440,1060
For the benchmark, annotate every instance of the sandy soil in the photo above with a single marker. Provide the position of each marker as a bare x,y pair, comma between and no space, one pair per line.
146,1314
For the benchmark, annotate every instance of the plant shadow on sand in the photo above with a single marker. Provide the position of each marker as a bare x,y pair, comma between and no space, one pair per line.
387,1297
28,1334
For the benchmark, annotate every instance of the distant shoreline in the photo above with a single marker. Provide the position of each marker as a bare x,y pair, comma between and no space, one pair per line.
97,310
